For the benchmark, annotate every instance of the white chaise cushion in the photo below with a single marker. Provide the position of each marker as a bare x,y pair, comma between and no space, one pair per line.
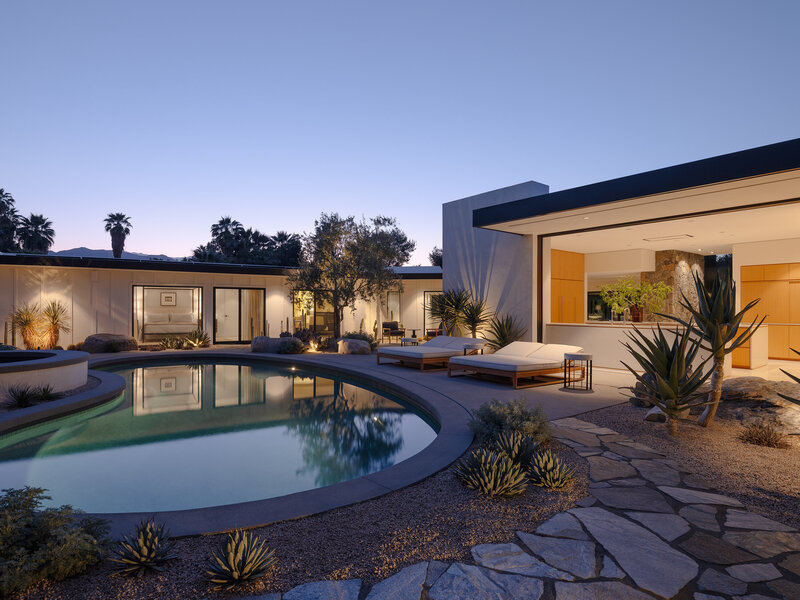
554,352
419,352
518,349
516,364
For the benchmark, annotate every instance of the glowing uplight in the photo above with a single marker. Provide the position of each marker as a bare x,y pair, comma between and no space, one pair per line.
312,346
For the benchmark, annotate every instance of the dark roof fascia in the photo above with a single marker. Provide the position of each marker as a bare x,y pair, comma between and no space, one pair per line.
773,158
420,275
140,265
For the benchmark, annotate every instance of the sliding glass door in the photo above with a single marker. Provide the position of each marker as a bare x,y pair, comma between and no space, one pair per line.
238,314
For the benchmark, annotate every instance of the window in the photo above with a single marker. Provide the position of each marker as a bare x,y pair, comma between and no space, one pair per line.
164,311
432,327
238,314
393,306
311,312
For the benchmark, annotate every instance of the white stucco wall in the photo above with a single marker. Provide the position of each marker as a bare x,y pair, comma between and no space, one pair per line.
498,267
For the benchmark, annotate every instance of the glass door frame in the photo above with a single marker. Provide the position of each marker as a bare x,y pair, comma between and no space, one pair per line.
200,303
239,323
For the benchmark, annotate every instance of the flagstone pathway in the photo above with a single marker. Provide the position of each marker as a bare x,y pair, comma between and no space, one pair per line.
647,530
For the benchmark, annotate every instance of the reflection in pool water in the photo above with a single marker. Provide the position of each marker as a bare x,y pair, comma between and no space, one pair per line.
202,434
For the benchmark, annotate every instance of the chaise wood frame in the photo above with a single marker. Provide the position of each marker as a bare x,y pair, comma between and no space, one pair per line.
536,377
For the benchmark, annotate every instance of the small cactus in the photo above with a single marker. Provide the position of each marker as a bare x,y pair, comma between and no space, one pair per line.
518,447
241,559
148,547
492,474
548,470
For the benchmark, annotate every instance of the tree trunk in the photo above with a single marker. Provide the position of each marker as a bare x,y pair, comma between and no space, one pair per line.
117,243
672,426
337,322
716,391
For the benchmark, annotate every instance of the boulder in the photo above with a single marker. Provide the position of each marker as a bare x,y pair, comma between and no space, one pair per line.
262,343
347,346
109,342
656,415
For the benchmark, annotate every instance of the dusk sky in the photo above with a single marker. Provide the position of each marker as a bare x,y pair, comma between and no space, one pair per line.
177,113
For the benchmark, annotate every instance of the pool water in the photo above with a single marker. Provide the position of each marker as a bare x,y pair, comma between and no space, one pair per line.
208,434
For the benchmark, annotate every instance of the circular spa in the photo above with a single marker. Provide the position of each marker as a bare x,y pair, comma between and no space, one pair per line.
62,370
206,433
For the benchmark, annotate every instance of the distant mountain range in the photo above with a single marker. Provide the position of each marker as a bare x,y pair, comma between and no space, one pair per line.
89,253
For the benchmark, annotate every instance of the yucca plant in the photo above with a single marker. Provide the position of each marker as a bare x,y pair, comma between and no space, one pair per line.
21,396
45,393
448,309
668,379
716,322
197,339
148,547
492,474
55,320
242,558
548,470
475,315
503,330
27,320
516,446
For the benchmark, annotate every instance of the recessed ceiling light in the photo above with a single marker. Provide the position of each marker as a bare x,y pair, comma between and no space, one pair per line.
699,249
665,238
585,218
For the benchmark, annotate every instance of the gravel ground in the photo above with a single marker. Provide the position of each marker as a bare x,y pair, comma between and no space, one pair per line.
436,519
766,480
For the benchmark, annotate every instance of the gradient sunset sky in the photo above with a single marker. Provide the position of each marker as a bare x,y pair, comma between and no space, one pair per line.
177,113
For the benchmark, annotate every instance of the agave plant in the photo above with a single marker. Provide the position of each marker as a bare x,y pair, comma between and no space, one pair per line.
668,379
173,342
55,319
27,320
240,559
448,309
475,315
793,378
518,447
197,339
147,548
716,322
492,474
548,470
503,330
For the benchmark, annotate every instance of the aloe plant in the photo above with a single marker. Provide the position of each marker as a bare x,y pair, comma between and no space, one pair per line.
503,329
668,378
716,322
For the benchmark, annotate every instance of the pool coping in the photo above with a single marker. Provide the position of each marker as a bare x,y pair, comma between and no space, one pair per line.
56,358
453,439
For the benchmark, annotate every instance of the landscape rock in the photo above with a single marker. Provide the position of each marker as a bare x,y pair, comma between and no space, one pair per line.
669,527
109,342
347,346
754,572
598,590
405,585
574,556
513,559
436,569
562,525
262,343
347,589
701,515
468,582
611,569
656,415
650,562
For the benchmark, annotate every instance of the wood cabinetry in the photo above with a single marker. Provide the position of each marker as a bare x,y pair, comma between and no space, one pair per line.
566,287
778,288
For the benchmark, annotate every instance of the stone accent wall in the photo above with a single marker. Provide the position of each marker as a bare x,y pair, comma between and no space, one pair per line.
675,268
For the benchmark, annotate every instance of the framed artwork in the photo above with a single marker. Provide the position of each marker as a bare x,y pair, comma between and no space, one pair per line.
169,384
169,299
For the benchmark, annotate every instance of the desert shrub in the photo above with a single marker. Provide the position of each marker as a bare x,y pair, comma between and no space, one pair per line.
286,334
147,548
291,346
78,346
764,433
45,393
494,417
492,474
307,336
197,339
548,470
365,337
518,447
7,347
39,543
21,395
171,342
240,559
502,330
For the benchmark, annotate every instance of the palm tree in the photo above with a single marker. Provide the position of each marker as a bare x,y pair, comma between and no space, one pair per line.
225,233
119,225
475,315
8,222
35,234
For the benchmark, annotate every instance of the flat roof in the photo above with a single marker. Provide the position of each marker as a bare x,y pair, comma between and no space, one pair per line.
40,260
773,158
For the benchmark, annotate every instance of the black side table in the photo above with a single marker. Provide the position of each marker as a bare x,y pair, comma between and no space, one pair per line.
578,372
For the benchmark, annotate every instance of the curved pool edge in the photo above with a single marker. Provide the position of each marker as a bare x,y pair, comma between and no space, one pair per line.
452,440
109,388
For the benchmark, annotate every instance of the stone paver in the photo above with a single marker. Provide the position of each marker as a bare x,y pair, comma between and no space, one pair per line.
405,585
669,527
611,569
602,468
741,519
716,581
714,550
788,589
574,556
754,572
651,562
510,558
635,498
575,435
325,590
598,590
468,582
657,472
563,525
698,497
703,516
632,451
765,544
791,563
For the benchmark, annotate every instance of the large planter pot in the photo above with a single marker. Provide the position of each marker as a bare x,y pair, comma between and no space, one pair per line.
636,314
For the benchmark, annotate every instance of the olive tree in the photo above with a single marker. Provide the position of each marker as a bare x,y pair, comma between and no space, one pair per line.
345,260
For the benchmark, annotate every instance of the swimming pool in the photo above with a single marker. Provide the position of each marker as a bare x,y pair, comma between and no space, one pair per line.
214,432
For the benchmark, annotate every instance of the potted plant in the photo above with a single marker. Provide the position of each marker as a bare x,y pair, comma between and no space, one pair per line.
637,296
620,294
650,297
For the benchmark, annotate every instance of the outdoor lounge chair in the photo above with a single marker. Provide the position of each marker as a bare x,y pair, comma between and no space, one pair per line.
429,356
392,329
526,364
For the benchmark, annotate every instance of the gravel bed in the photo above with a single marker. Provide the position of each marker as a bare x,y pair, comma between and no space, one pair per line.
91,382
766,480
435,519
